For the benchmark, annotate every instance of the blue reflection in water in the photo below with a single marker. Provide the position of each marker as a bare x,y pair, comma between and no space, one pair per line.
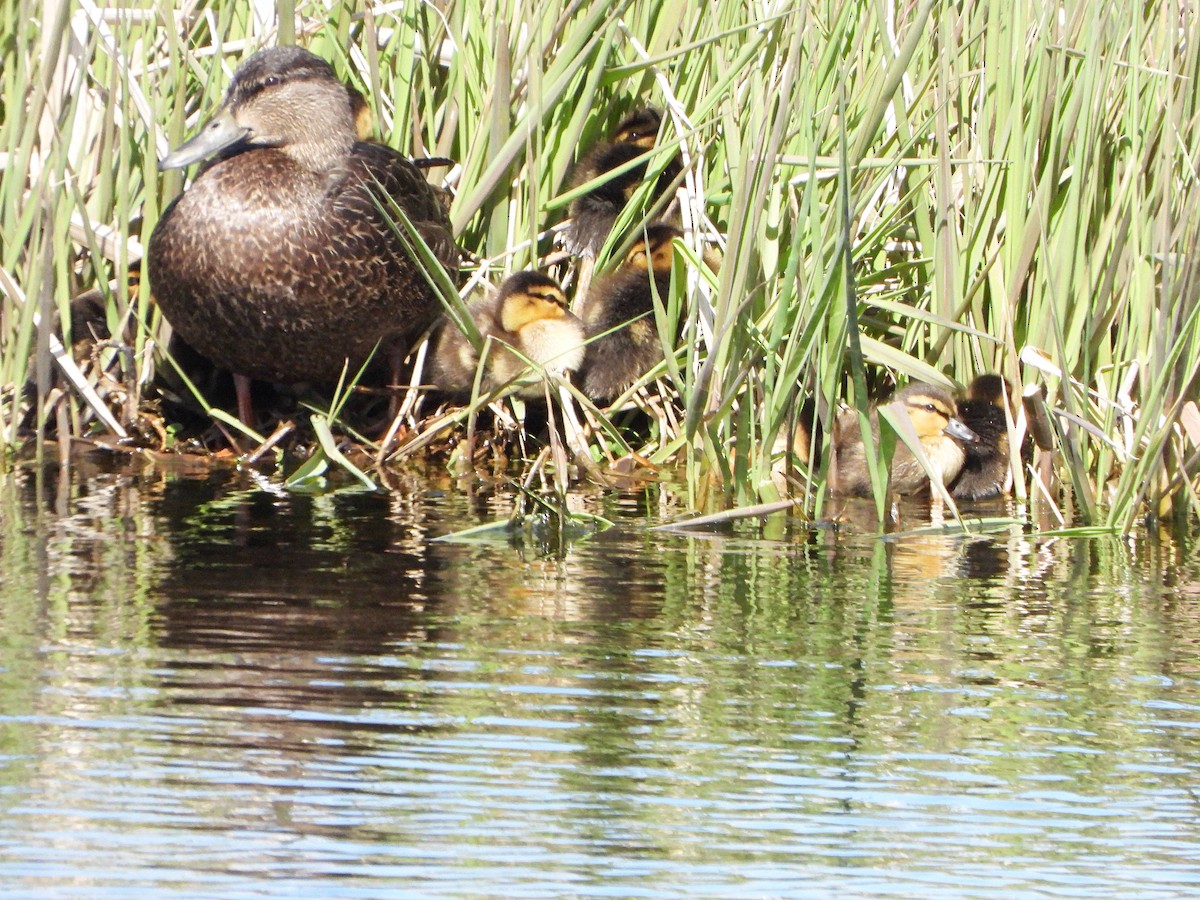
211,689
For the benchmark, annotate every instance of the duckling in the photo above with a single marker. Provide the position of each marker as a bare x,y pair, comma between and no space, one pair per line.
277,263
530,316
364,120
593,214
935,419
89,313
985,471
624,301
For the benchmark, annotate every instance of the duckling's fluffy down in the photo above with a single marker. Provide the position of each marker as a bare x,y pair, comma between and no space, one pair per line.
526,319
942,434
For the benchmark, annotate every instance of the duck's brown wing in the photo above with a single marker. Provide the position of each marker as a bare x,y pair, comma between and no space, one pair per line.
395,176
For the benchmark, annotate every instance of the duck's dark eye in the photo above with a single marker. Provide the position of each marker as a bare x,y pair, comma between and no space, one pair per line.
254,88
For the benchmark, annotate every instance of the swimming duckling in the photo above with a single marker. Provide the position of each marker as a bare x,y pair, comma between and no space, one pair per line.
277,263
624,300
593,214
934,418
529,314
986,468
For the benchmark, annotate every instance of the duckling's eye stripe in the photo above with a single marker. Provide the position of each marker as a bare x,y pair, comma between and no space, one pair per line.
928,407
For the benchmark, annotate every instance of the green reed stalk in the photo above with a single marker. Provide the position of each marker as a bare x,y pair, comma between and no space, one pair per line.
1017,195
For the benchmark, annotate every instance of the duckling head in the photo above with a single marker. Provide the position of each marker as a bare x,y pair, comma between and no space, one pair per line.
934,414
639,128
364,120
284,98
529,297
532,311
989,388
654,251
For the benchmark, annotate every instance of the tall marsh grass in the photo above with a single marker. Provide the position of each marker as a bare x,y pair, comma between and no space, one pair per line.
923,190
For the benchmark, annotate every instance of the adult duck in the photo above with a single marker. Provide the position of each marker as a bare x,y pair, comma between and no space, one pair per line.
280,262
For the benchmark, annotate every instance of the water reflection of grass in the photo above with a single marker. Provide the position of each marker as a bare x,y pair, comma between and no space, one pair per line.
269,669
953,191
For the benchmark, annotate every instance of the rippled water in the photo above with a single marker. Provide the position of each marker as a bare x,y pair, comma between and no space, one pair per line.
208,688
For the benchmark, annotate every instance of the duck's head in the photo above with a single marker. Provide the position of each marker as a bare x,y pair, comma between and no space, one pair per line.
934,413
639,128
654,250
286,98
529,297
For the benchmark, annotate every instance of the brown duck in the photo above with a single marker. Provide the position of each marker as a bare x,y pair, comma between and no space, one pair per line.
277,262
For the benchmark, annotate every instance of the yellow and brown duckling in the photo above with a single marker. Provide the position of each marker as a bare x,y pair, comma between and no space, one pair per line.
623,336
277,263
529,315
593,214
935,420
986,468
364,120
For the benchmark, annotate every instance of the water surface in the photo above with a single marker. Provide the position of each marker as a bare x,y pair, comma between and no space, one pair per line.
209,687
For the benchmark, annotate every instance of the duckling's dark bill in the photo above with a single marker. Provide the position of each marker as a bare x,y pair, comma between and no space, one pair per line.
956,429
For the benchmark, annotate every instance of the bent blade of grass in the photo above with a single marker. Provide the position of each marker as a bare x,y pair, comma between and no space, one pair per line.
320,425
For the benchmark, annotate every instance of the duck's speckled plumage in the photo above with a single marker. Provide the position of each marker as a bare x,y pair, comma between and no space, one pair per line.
276,263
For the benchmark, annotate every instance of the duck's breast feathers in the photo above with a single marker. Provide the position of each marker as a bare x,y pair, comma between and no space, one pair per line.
245,225
262,189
